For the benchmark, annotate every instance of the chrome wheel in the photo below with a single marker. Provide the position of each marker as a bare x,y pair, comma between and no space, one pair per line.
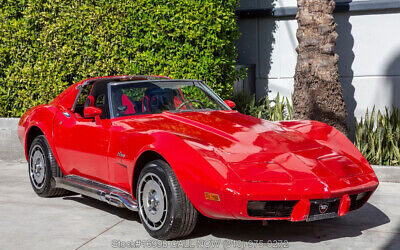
152,201
37,167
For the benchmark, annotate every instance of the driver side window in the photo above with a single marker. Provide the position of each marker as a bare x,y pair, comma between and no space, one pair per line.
82,99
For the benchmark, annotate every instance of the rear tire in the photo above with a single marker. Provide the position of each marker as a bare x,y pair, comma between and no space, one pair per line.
164,209
42,168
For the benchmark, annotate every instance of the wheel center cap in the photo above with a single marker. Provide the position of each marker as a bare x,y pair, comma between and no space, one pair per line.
37,169
152,200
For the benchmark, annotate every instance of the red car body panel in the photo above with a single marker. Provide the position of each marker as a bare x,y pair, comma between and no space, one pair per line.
238,157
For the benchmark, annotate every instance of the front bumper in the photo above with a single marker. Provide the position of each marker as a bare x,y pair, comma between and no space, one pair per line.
306,194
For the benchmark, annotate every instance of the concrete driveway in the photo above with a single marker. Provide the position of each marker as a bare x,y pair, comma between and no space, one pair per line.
30,222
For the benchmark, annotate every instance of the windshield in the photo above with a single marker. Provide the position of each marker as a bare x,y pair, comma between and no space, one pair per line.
137,98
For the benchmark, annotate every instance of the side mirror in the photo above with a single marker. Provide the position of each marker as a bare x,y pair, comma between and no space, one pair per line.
92,112
230,103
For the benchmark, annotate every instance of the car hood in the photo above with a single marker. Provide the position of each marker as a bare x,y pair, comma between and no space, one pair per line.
234,133
255,149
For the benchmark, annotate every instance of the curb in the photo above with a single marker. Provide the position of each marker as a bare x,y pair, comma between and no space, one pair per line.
387,173
9,123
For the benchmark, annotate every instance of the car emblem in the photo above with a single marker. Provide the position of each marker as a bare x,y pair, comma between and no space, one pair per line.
323,208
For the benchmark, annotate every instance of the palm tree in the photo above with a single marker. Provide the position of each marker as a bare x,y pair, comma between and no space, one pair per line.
317,90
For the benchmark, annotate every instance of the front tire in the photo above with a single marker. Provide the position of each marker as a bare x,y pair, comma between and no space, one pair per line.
42,168
164,209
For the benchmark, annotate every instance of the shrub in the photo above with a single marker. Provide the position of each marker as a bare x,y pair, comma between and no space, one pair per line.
47,44
378,137
276,109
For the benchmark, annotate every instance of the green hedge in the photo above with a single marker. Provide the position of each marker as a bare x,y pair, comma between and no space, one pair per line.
45,45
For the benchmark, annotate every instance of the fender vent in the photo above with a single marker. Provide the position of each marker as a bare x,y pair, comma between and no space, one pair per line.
271,209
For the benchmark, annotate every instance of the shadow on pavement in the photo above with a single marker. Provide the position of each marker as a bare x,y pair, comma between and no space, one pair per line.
351,225
123,213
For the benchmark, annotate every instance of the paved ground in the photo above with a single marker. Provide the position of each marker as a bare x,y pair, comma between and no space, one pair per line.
30,222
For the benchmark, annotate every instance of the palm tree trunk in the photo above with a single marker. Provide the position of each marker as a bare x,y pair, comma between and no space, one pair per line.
317,90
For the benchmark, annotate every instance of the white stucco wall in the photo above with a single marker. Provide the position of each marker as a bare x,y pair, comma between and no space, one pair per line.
368,46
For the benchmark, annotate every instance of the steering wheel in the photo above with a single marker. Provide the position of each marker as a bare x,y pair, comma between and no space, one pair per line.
189,101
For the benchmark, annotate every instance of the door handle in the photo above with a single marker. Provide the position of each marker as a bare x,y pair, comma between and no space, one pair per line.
66,114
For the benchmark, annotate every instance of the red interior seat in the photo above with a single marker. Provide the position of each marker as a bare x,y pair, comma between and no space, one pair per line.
89,101
145,104
130,108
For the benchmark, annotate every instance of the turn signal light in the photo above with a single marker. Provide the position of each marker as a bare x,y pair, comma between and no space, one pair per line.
212,197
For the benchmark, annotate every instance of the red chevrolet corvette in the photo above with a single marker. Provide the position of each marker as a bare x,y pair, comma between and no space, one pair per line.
171,149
